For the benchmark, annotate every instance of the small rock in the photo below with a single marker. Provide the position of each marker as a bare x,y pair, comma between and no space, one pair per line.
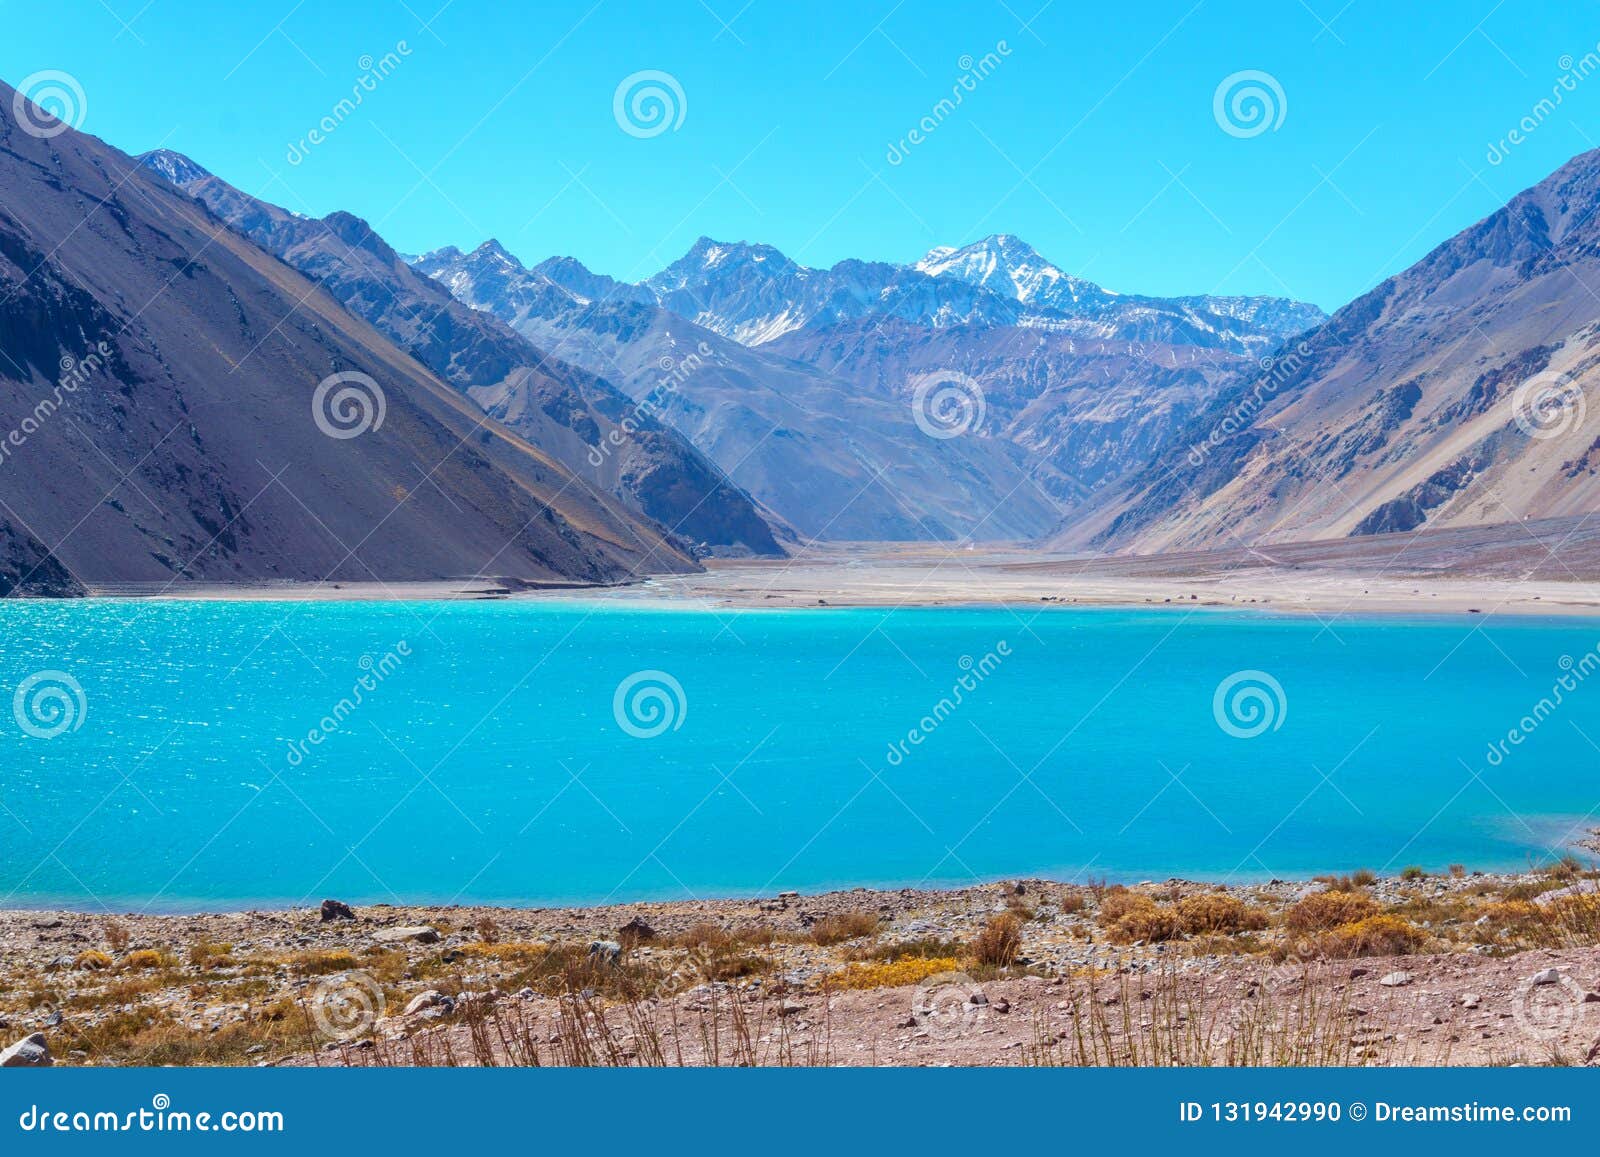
1470,1000
978,998
790,1008
1547,976
29,1052
1358,973
423,1000
605,951
336,910
1395,979
419,933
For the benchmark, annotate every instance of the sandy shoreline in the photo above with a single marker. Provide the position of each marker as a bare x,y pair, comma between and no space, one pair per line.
1534,568
883,577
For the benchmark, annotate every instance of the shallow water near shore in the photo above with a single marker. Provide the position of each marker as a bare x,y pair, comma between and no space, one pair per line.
228,755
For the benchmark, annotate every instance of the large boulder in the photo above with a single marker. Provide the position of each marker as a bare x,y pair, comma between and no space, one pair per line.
30,1052
636,930
337,910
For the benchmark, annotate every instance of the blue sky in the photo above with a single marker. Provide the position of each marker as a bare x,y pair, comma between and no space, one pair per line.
1093,134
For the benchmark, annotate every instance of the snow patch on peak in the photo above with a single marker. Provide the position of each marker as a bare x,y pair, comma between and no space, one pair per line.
174,166
493,250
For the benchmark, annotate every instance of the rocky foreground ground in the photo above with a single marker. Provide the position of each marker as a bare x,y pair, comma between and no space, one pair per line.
1452,969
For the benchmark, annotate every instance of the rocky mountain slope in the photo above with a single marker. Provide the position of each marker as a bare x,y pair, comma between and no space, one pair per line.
832,460
590,427
1455,394
806,382
172,410
1085,411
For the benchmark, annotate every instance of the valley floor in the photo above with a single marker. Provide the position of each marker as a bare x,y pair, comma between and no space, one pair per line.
1458,969
1535,568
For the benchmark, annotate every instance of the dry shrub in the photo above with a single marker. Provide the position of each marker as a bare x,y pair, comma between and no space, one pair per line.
1128,916
92,959
1563,922
912,970
1360,878
999,942
1566,868
1376,936
1216,913
1072,900
1322,911
117,936
711,937
205,954
844,926
147,958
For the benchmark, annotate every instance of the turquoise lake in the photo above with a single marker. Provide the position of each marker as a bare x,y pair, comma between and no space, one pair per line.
177,756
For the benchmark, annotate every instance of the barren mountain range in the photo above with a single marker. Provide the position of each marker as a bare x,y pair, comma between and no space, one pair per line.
1454,394
160,385
805,385
166,338
596,432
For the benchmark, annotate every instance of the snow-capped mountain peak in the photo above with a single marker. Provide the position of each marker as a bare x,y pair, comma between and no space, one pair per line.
1007,265
174,166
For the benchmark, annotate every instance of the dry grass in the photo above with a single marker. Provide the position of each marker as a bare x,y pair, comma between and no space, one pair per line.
837,929
1323,911
1289,1018
1000,941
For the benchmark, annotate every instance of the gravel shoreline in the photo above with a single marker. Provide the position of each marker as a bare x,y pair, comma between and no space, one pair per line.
833,978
